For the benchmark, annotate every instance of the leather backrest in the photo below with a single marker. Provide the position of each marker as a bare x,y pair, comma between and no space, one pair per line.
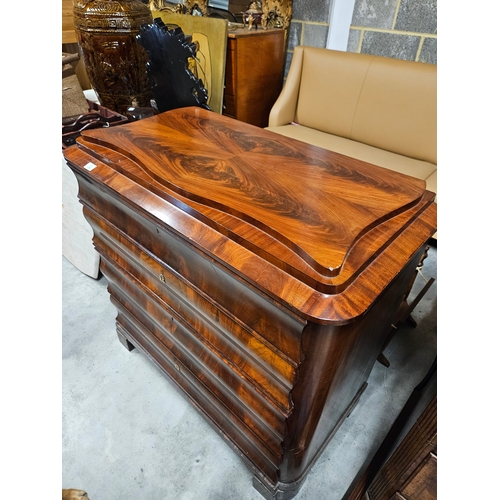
387,103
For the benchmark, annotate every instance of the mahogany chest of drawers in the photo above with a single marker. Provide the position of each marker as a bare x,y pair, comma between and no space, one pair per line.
259,273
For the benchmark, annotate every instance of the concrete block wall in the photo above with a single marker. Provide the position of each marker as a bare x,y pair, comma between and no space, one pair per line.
309,25
403,29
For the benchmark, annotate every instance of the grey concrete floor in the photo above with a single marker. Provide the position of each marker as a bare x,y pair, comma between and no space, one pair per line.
128,434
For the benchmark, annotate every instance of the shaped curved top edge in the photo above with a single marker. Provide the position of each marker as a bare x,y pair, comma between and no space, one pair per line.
315,202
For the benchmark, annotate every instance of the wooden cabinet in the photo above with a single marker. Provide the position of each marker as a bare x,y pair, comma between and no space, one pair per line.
254,73
259,273
405,465
411,471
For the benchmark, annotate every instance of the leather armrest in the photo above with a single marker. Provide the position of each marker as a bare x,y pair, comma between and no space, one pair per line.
284,109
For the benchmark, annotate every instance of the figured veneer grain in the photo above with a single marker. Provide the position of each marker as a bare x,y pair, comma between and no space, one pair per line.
297,201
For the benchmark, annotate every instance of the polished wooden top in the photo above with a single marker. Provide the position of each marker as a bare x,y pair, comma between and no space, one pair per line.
319,216
244,32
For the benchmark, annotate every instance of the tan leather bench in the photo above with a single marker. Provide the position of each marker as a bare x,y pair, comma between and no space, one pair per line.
373,108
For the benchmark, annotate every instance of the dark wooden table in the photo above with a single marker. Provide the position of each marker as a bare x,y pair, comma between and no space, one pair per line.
260,273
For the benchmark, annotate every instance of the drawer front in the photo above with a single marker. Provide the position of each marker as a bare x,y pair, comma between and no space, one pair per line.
236,366
271,323
183,373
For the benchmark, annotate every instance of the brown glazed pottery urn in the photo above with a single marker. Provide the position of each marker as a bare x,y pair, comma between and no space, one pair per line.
115,62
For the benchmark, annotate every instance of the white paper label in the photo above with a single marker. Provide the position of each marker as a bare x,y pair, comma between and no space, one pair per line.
90,166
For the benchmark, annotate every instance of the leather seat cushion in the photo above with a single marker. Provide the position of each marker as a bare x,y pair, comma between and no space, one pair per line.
399,163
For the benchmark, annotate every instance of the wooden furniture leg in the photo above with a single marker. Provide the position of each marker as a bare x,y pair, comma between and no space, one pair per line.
406,309
128,345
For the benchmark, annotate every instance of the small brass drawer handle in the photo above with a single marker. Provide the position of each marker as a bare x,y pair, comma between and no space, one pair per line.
162,278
